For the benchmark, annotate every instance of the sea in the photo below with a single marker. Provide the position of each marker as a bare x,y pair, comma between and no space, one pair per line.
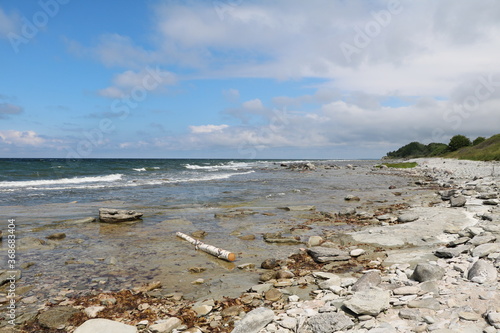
48,196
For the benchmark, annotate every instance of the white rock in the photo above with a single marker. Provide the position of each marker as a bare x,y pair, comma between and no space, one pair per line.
104,325
357,252
92,311
166,326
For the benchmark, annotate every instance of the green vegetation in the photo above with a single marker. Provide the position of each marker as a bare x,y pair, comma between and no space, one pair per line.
404,165
459,141
488,150
460,147
417,149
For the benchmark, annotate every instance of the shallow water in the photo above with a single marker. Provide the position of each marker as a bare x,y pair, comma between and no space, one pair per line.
112,257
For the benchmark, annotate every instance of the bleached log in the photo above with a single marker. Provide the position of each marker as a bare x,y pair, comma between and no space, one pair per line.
215,251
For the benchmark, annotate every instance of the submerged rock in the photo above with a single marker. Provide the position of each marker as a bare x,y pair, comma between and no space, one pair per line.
118,215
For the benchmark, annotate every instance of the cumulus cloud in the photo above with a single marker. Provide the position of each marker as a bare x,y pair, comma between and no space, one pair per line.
148,79
21,138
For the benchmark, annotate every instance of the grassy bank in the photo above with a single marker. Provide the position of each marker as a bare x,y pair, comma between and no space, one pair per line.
488,150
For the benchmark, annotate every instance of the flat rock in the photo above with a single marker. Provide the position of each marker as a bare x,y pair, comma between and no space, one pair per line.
451,252
202,309
485,249
407,290
357,252
278,238
273,295
482,239
105,325
427,272
323,254
56,317
303,208
329,322
231,311
166,326
314,241
367,281
482,271
408,217
108,215
427,303
254,321
368,302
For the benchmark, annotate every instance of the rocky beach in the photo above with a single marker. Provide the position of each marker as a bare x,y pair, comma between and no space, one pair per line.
416,251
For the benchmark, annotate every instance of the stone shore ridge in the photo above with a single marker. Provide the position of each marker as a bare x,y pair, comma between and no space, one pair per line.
437,272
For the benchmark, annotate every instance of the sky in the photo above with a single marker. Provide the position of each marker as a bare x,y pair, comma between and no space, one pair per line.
325,79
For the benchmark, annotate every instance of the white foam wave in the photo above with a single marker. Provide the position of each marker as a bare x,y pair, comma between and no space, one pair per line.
62,181
224,166
140,169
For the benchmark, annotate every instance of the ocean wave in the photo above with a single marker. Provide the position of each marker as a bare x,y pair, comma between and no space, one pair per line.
224,166
62,181
146,169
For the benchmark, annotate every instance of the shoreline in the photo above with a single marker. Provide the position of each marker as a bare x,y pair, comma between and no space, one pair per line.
408,247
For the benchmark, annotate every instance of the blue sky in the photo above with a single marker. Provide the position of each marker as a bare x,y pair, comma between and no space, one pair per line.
244,78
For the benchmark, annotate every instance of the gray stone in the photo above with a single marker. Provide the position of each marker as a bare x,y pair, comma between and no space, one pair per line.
485,249
459,201
254,321
427,272
289,323
56,317
323,254
166,326
314,241
410,314
482,271
6,276
347,211
367,281
408,217
104,325
269,263
494,319
118,215
427,303
486,196
369,302
482,239
459,241
450,252
329,322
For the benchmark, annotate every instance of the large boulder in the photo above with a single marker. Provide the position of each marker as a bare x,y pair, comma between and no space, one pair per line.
482,271
108,215
369,302
427,272
56,318
254,321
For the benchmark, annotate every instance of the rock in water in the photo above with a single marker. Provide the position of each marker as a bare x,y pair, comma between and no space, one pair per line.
254,321
57,317
329,322
459,201
118,215
323,254
427,272
369,302
482,271
104,325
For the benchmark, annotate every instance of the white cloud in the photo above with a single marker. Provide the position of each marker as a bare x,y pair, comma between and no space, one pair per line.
21,138
148,79
253,105
207,128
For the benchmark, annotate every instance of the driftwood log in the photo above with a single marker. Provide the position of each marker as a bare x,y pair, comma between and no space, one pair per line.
215,251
